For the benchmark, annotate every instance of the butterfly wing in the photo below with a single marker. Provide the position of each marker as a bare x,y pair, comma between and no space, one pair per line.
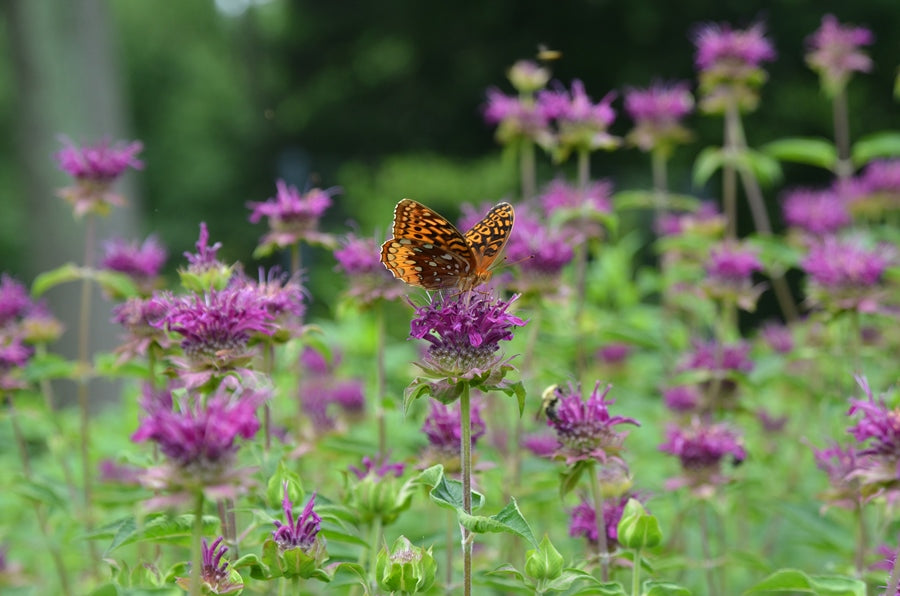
426,250
489,236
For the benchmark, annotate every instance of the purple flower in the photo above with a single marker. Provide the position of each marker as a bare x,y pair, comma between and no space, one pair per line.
657,112
707,220
282,296
198,436
142,262
359,259
214,571
319,388
730,62
140,318
778,337
879,425
834,52
379,467
719,44
581,124
583,521
682,398
15,301
615,352
215,327
541,445
716,357
117,473
443,427
539,253
817,212
732,263
585,429
701,449
464,335
14,355
875,191
842,465
292,216
206,257
95,168
301,533
517,119
582,211
844,274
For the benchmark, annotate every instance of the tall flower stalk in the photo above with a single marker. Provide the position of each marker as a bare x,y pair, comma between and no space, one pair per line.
95,168
464,335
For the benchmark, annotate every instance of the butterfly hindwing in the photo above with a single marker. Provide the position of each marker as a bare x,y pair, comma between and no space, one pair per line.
489,236
423,264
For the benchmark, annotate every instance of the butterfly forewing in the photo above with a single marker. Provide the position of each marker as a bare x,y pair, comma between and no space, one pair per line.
428,251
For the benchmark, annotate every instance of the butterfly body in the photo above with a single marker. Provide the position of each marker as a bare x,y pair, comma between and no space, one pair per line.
429,252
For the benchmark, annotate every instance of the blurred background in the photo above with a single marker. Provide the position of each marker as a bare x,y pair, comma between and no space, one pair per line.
382,99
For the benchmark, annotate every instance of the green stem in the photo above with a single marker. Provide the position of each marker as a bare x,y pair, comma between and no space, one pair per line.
380,376
196,583
466,466
862,541
602,544
736,143
268,368
660,182
84,364
581,258
843,167
527,170
295,258
374,542
707,551
636,574
450,538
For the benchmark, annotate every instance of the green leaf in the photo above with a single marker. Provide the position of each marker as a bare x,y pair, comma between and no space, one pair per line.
569,477
815,152
419,387
794,580
765,169
508,520
118,285
603,589
874,146
449,495
54,277
646,199
661,588
708,162
161,528
49,366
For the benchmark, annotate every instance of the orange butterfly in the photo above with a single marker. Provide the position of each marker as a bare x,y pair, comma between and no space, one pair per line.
429,252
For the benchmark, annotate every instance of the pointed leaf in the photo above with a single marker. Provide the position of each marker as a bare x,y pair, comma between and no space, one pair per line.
54,277
814,152
660,588
118,285
419,387
707,163
448,493
794,580
508,520
874,146
764,168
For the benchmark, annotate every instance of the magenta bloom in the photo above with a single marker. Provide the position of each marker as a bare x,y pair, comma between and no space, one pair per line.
730,65
443,427
581,124
282,296
614,353
844,274
214,571
360,260
657,112
682,398
199,436
320,388
140,317
142,262
293,216
720,46
517,119
778,337
379,467
464,335
875,191
15,301
732,263
585,429
206,258
879,427
706,219
301,533
582,211
715,357
539,253
583,521
834,52
95,168
817,212
701,449
842,465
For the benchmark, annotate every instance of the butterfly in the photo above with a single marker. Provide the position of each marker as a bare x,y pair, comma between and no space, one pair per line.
429,252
